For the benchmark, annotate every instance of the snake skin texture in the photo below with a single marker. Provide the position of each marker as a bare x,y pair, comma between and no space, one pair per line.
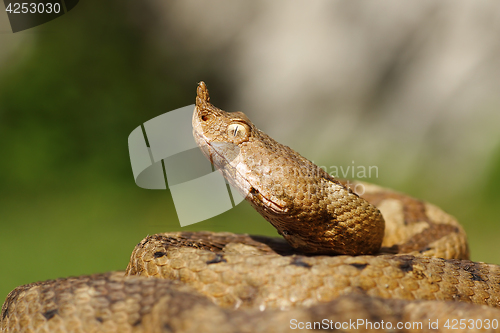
376,261
224,282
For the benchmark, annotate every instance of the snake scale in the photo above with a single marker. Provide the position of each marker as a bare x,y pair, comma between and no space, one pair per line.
349,261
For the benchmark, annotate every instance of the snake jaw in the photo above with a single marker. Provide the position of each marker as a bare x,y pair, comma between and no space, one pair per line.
233,171
269,204
225,155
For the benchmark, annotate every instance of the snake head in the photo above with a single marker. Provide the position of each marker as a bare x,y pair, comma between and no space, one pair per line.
215,125
314,212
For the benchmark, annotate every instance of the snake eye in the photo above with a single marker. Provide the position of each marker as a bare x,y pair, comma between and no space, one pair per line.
238,132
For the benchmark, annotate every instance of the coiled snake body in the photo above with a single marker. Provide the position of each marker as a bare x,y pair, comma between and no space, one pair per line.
378,260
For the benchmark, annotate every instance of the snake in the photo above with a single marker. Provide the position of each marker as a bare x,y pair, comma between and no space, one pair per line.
353,256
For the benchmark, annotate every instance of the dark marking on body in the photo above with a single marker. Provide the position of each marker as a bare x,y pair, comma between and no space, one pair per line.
472,269
418,274
217,259
297,261
99,319
144,241
476,277
137,322
420,242
5,311
461,297
425,249
359,266
50,314
360,290
159,254
351,191
405,264
475,274
375,318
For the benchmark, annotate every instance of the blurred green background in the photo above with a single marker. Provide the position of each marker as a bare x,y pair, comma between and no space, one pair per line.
72,90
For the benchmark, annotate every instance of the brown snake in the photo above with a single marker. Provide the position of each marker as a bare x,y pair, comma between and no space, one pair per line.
374,261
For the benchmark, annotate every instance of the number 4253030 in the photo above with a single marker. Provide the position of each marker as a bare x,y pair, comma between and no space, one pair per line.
33,8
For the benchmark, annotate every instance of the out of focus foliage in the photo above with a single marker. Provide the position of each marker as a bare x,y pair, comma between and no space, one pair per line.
68,104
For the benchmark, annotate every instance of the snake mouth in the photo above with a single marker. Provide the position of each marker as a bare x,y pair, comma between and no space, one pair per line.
232,174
